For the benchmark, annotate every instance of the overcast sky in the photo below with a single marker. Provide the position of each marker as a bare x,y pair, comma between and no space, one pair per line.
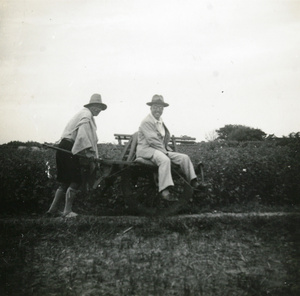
215,62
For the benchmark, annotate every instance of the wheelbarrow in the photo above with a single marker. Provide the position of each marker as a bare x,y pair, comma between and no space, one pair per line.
136,180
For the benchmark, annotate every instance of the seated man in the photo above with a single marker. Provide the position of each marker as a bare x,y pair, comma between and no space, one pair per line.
153,139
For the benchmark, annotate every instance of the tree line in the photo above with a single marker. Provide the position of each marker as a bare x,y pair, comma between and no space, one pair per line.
242,133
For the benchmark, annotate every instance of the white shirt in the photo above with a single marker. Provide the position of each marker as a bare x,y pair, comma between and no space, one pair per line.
82,129
159,125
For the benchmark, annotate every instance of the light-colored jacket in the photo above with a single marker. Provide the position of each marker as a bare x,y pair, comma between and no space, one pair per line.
150,139
82,130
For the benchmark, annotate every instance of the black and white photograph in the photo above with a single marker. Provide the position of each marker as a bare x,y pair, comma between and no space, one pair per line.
150,148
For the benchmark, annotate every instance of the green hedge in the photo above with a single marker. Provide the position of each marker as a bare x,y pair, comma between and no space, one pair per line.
24,184
264,172
255,171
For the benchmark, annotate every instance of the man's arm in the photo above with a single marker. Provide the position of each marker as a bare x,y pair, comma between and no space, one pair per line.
85,141
152,136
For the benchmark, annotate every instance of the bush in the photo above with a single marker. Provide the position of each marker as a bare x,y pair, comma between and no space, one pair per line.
265,172
250,171
26,180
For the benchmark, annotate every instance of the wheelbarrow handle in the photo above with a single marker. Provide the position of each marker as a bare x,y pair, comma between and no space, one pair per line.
69,152
199,169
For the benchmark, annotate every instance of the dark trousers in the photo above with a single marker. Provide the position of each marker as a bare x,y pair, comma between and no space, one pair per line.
68,166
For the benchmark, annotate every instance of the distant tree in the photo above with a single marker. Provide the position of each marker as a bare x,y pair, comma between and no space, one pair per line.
294,135
211,136
240,133
16,144
271,137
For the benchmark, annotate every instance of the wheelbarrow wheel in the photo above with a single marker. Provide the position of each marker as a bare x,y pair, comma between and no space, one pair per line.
139,187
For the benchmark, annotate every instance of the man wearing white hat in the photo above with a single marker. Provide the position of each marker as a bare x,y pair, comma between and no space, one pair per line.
153,139
80,138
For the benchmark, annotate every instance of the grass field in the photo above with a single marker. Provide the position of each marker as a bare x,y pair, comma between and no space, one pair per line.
206,254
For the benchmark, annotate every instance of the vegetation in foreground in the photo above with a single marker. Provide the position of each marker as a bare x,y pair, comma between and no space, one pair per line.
261,173
124,255
185,255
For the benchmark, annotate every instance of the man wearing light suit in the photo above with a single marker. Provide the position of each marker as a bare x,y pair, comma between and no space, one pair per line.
153,139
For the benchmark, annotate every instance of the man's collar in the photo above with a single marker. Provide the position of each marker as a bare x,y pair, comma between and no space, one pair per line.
156,120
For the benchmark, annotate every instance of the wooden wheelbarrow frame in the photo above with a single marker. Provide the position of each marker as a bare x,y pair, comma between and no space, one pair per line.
138,178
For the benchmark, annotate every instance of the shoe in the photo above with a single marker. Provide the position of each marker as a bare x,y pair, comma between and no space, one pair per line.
198,186
53,215
70,215
169,197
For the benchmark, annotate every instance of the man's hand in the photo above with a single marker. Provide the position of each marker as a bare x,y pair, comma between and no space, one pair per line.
92,164
84,161
88,164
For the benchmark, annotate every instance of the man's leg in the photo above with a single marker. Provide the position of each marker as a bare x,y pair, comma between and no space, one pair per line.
70,196
164,170
59,195
185,164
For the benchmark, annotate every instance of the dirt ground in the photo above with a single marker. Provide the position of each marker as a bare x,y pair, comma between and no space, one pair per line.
206,254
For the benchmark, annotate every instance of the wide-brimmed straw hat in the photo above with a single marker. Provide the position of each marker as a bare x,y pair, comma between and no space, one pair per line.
158,100
96,101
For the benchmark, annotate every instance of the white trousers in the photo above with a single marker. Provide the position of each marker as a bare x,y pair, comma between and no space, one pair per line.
164,167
